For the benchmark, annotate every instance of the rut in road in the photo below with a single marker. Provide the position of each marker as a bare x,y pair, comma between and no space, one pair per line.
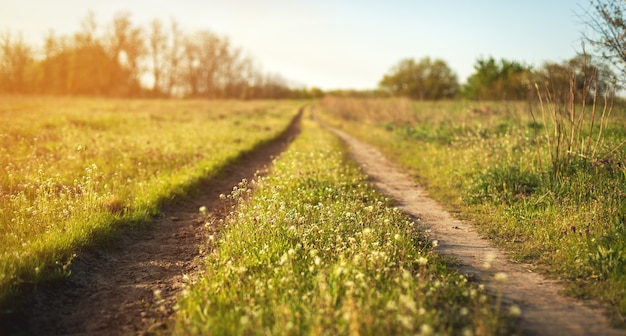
544,310
111,291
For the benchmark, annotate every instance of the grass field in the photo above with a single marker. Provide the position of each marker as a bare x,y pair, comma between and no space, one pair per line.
556,203
77,170
313,249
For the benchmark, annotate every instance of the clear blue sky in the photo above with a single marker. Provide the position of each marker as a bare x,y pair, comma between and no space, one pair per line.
340,44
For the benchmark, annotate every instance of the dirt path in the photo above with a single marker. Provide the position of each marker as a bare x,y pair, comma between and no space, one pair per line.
112,291
544,310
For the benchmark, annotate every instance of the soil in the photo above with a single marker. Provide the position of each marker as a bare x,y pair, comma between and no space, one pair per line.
544,310
130,286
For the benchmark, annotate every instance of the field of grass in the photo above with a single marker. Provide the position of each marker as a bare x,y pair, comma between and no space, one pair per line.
74,171
313,249
560,208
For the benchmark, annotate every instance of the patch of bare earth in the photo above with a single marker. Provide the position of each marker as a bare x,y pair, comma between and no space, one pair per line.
111,290
544,310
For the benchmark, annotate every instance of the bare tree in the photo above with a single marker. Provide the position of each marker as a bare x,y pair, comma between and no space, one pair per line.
126,45
15,58
112,61
606,20
157,49
174,57
189,76
89,30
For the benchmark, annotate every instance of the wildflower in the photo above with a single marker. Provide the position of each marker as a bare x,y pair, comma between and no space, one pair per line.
501,276
157,294
283,259
422,261
339,270
426,329
406,321
515,311
435,243
203,210
408,303
489,258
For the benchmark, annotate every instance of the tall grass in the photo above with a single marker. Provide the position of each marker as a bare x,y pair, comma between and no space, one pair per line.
313,249
76,170
493,164
570,126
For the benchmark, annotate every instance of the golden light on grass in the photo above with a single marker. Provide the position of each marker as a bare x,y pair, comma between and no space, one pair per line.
116,160
325,253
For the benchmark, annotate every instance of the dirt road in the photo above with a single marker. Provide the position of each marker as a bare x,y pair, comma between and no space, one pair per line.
544,310
130,287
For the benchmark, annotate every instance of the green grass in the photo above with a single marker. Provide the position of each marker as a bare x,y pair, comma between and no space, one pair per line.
314,249
492,163
77,170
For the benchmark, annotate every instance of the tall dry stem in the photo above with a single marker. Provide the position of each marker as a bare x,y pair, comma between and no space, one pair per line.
569,138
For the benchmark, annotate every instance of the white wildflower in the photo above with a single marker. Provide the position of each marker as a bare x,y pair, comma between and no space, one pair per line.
501,276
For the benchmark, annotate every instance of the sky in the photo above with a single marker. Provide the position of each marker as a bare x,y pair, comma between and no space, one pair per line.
339,44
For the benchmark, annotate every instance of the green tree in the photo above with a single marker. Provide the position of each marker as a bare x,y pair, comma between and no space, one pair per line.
498,80
424,80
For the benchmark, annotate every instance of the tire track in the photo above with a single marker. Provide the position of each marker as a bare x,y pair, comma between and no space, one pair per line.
544,310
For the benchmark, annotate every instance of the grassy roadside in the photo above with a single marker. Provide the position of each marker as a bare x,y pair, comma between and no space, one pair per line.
491,162
77,170
315,250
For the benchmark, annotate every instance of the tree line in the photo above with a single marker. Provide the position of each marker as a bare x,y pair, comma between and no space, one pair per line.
582,77
122,59
498,79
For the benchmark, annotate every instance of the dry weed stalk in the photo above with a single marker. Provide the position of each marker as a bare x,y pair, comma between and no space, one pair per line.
564,121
